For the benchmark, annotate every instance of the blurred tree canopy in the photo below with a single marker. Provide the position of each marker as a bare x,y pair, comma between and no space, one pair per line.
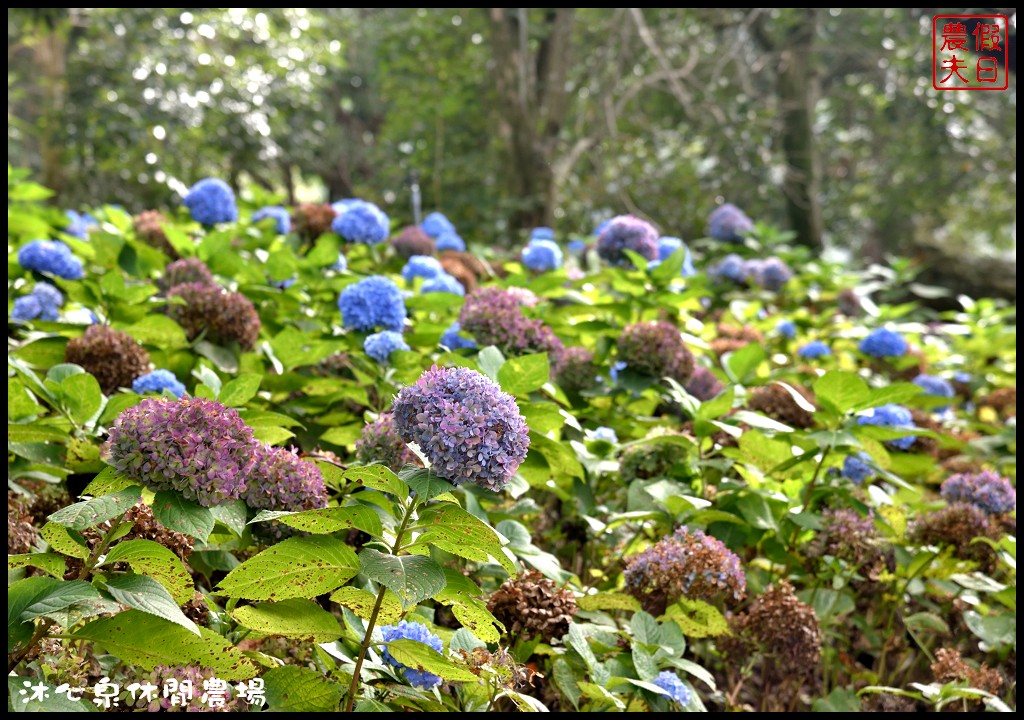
821,121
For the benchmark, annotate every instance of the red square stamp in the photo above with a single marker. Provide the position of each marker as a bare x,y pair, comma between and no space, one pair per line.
969,52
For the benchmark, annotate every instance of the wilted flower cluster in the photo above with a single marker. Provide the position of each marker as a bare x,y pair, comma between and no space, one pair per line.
986,490
727,223
656,348
542,255
50,256
380,443
380,345
224,316
193,445
419,632
373,302
703,384
949,666
531,604
814,349
687,564
856,468
847,536
211,201
443,282
731,338
43,302
1003,401
450,240
277,213
495,317
573,368
281,480
894,416
627,232
157,381
435,224
957,525
413,241
186,270
776,402
849,302
149,227
112,356
464,267
465,425
655,460
424,266
311,220
361,222
883,342
452,340
677,690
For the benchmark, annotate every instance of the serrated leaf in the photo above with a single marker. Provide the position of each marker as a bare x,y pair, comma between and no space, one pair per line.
108,481
327,520
524,374
295,567
567,681
643,661
232,515
719,405
425,483
645,628
50,563
147,557
176,513
146,594
412,578
298,689
898,393
89,513
83,398
159,331
741,364
697,618
138,638
468,606
21,595
608,601
842,391
61,540
378,477
239,391
64,595
578,642
419,656
454,530
361,602
293,618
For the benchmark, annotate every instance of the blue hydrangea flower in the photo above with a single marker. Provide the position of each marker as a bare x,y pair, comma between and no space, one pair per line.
731,267
436,224
373,302
986,490
282,220
466,426
617,367
856,468
542,255
771,273
26,308
419,632
158,381
443,283
627,232
340,206
380,345
814,349
450,240
341,265
668,245
934,385
50,256
786,328
676,689
423,266
962,376
542,233
211,201
80,224
605,433
452,340
362,222
727,223
577,246
891,415
883,342
48,295
43,302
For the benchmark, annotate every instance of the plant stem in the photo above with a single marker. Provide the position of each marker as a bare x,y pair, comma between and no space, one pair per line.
101,547
814,478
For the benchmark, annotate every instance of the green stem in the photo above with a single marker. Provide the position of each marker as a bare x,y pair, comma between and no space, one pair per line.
101,547
814,478
365,646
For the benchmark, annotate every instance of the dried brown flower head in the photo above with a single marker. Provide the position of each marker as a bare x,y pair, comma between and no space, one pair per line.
531,604
112,356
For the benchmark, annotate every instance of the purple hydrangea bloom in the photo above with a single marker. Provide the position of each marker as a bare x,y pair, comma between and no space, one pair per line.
656,348
814,349
676,689
542,233
157,381
436,224
371,303
856,468
542,255
282,219
450,240
443,283
891,415
731,267
934,385
379,442
771,273
211,201
281,480
466,426
883,342
50,256
452,340
703,384
79,224
786,328
419,632
495,317
362,222
423,266
627,232
380,345
26,308
727,223
986,490
195,446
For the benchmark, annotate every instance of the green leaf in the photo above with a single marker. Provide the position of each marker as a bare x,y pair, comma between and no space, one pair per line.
327,520
361,602
490,360
761,512
841,391
138,638
764,452
61,540
560,459
63,595
50,563
697,618
419,656
670,268
567,681
463,595
828,604
90,513
160,331
719,405
52,702
271,435
146,594
645,628
147,557
108,481
411,577
741,364
841,700
176,513
222,358
895,393
21,403
35,432
295,567
578,642
298,689
21,595
369,705
232,514
292,618
454,530
608,601
378,477
524,374
425,483
927,621
241,390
